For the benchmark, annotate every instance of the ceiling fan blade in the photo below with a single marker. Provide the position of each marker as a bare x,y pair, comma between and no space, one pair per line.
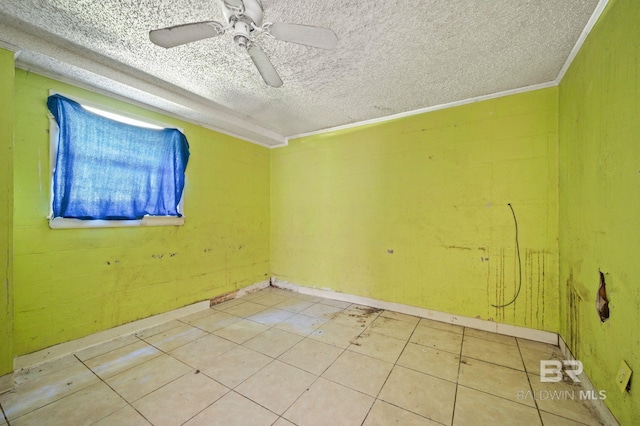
236,5
186,33
264,65
323,38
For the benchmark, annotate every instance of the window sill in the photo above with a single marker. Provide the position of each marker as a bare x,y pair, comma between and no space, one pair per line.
64,223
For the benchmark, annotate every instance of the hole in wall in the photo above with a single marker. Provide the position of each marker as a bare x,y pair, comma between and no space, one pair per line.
602,303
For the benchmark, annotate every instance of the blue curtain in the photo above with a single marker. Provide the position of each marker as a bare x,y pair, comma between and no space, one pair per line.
110,170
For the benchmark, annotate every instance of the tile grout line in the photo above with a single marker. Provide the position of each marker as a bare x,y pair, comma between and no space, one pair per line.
437,349
494,363
4,415
395,363
130,404
455,396
225,394
114,391
526,373
55,400
319,375
198,371
329,366
499,396
270,362
126,369
342,353
300,396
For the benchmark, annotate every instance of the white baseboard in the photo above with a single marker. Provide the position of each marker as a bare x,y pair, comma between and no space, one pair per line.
73,346
479,324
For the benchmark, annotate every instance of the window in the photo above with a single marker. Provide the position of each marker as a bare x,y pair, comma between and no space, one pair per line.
108,173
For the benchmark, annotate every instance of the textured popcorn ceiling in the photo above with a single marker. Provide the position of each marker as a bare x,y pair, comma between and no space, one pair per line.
393,56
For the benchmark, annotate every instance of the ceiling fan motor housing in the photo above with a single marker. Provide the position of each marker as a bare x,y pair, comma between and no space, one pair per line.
241,33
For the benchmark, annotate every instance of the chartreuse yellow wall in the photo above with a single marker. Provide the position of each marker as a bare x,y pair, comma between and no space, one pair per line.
70,283
599,157
6,217
415,210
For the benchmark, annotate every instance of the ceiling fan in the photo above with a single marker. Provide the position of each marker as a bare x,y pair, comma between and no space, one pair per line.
244,21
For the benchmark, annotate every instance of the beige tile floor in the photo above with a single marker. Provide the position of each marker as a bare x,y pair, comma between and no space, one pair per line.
280,358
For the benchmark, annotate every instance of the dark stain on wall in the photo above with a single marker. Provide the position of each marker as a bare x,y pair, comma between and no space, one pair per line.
534,271
500,287
573,316
503,283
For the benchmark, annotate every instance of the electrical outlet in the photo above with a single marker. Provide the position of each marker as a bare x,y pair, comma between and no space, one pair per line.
623,376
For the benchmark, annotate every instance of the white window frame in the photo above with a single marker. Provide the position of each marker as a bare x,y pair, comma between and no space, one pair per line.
67,223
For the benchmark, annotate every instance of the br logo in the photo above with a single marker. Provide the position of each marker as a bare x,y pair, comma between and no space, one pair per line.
551,370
